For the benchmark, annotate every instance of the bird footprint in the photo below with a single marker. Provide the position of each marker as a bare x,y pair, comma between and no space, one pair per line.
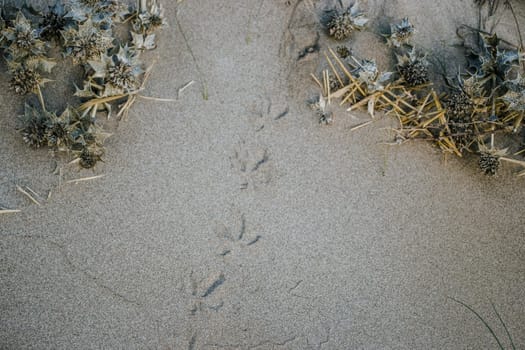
235,235
252,165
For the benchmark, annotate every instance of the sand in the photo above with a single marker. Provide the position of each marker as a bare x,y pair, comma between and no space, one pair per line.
219,225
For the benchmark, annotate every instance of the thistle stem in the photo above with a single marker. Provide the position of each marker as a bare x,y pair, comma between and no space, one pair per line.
41,98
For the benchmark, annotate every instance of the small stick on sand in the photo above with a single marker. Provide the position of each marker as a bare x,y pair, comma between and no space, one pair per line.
156,98
187,85
84,179
9,211
333,69
24,192
362,125
316,80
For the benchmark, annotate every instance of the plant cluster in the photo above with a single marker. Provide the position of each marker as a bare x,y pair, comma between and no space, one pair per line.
85,32
483,106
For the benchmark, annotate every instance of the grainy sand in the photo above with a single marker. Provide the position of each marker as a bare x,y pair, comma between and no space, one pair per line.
220,226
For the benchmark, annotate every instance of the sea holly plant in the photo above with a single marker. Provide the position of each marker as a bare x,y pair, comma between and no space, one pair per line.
83,31
479,110
342,23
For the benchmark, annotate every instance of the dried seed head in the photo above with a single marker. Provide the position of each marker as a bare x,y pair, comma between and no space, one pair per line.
25,80
88,42
413,68
344,24
120,73
34,127
343,51
459,106
22,39
89,156
489,163
341,27
401,33
57,130
54,22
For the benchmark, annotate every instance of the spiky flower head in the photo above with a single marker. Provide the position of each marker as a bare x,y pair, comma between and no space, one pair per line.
120,72
490,159
459,106
344,24
34,126
90,156
57,130
413,68
88,42
489,163
343,51
22,39
401,33
26,77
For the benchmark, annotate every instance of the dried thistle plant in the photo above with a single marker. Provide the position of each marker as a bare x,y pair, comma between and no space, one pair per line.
400,34
481,106
34,127
54,21
119,73
368,74
413,68
26,76
87,42
342,25
21,39
84,31
149,19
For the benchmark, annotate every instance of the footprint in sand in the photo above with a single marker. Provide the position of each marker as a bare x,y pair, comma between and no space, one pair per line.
235,236
252,164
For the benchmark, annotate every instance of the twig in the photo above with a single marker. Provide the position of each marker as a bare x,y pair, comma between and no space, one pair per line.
149,98
84,179
362,125
9,211
24,192
187,85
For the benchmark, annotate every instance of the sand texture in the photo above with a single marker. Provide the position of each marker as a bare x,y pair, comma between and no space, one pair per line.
239,222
